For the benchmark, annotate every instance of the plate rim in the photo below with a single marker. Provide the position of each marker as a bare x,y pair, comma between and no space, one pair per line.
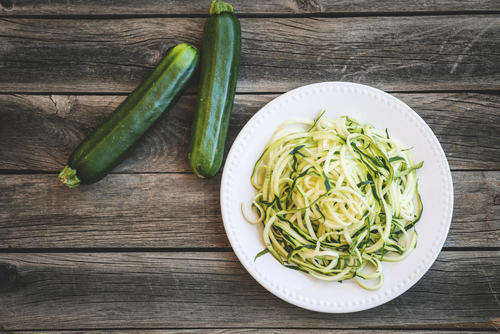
305,302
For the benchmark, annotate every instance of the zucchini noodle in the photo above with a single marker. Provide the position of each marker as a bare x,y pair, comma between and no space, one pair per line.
336,198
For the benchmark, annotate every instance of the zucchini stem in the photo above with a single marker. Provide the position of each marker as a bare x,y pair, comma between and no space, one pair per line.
218,7
69,178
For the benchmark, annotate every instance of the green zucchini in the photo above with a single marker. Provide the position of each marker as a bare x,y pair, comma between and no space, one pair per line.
220,61
355,209
110,143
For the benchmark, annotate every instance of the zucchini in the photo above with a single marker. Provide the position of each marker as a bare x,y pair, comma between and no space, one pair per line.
111,142
336,216
220,61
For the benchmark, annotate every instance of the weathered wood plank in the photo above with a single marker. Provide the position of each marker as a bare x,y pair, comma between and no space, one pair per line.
185,290
248,331
179,210
268,7
391,53
126,210
39,132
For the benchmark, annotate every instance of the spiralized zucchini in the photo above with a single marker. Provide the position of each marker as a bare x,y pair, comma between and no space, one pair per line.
336,198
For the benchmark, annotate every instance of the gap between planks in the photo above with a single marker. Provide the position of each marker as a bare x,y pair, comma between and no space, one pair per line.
77,250
254,16
192,93
255,330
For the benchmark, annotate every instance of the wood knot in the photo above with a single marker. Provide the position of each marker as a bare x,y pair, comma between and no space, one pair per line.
63,105
8,276
7,4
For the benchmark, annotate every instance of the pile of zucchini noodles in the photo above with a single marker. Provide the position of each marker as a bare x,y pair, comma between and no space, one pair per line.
336,198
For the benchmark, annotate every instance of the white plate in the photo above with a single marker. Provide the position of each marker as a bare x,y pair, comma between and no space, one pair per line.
368,105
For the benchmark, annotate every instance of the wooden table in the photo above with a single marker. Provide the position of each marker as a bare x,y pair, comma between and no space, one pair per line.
145,248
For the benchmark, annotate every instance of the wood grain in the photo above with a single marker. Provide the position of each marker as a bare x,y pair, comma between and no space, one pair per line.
267,7
249,331
418,53
39,132
204,290
179,210
65,65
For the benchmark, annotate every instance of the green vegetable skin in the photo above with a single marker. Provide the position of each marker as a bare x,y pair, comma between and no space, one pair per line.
110,143
220,62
